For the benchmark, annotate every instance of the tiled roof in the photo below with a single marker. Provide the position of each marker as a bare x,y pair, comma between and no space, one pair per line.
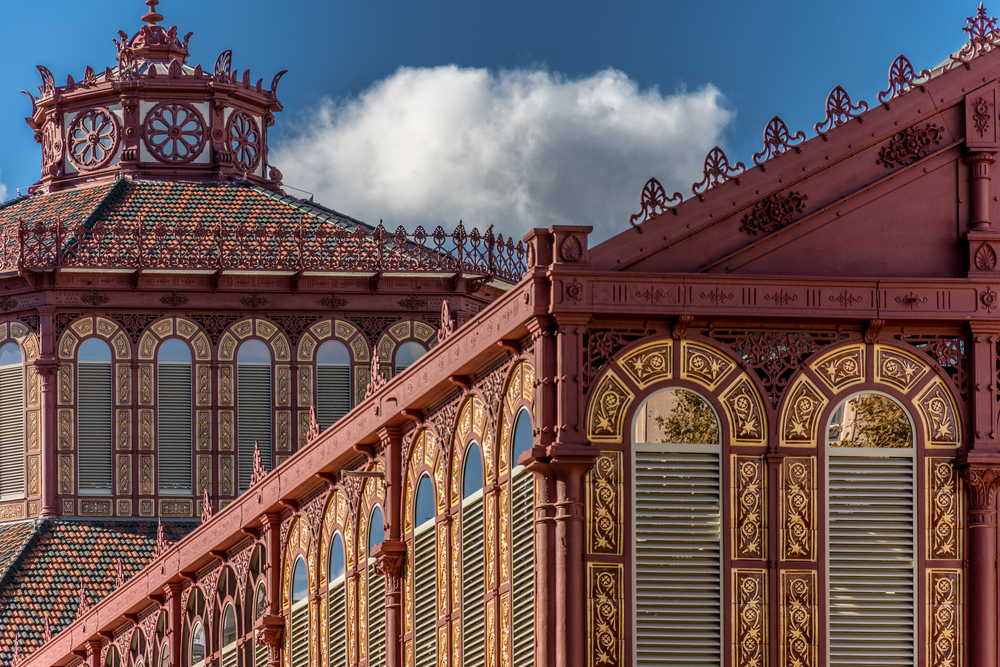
65,552
228,226
14,537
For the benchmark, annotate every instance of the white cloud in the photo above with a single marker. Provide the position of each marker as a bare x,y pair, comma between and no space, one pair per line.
516,149
3,192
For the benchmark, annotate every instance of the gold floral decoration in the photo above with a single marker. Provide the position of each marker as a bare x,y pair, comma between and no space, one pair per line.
944,588
800,416
898,368
798,508
745,411
605,615
841,368
604,505
608,404
749,493
750,618
798,618
944,513
937,408
649,363
704,365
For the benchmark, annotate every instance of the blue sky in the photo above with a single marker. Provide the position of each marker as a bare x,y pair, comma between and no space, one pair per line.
669,79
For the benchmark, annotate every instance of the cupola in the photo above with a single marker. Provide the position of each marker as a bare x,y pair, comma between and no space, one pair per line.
154,117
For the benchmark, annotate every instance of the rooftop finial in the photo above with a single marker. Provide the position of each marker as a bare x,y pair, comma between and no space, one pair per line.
152,17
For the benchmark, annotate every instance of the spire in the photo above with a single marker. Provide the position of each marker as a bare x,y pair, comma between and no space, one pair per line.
152,17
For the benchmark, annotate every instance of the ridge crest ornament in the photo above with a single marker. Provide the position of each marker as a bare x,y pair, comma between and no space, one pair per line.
839,110
777,140
654,201
717,171
902,78
983,37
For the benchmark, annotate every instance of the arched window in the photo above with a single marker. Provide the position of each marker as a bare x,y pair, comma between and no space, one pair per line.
406,355
229,634
336,601
11,422
259,607
424,576
522,552
137,649
473,562
197,645
333,382
300,614
175,433
677,555
94,417
253,406
871,533
376,593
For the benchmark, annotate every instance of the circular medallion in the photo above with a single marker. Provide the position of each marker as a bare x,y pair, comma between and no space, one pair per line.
243,140
93,138
174,132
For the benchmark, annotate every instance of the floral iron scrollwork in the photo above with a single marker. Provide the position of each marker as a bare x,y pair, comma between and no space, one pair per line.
983,37
654,201
772,213
777,140
717,171
902,77
909,145
839,110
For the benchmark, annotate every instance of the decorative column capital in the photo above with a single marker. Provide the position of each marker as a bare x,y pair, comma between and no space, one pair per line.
268,632
983,484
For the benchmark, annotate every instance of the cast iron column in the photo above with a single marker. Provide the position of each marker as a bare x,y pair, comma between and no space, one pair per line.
172,601
392,552
979,189
48,366
983,484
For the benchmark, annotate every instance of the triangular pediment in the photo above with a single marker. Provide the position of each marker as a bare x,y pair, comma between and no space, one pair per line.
878,192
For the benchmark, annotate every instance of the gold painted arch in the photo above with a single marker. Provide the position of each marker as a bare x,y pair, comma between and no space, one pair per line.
658,362
849,367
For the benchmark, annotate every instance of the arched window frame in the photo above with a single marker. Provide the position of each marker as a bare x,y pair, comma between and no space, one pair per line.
244,448
17,456
403,331
318,333
336,521
227,596
138,652
330,407
336,631
423,452
370,586
300,545
194,615
252,585
89,392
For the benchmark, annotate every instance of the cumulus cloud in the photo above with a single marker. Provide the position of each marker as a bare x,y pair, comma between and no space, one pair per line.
3,192
515,149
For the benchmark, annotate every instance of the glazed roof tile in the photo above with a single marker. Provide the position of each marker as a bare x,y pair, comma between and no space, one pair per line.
14,537
64,552
228,226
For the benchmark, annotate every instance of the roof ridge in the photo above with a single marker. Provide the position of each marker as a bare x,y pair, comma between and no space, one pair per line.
324,213
100,206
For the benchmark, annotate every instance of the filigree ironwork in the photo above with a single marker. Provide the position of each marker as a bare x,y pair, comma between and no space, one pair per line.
214,324
294,325
372,327
93,138
174,132
775,355
773,213
983,37
654,201
244,140
902,77
839,110
909,145
600,345
254,300
413,302
7,303
777,140
94,298
717,171
31,320
135,323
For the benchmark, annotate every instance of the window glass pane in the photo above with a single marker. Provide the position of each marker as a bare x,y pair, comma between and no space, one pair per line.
522,435
677,416
333,352
473,480
165,655
174,350
870,420
197,644
254,351
376,530
423,507
94,349
407,353
336,557
10,354
300,581
228,625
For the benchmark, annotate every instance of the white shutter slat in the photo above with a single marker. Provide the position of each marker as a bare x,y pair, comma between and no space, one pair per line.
424,596
678,558
94,426
473,583
174,426
11,432
871,560
522,523
253,417
337,616
333,393
376,618
300,635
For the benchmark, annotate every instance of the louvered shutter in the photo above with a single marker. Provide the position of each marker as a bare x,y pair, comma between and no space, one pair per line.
678,536
229,656
11,432
253,416
871,561
333,393
94,426
376,617
174,427
424,596
337,616
259,655
300,634
522,525
473,584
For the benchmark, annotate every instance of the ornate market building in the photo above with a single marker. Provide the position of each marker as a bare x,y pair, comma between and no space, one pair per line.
758,427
